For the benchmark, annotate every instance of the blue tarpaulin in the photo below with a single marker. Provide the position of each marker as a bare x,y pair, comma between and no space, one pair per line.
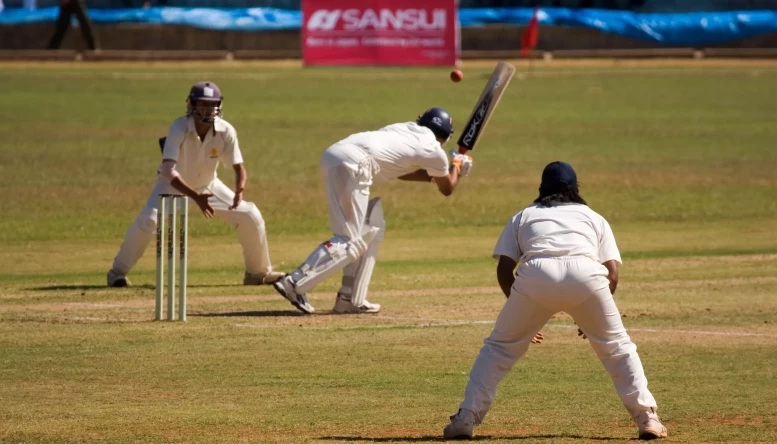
673,29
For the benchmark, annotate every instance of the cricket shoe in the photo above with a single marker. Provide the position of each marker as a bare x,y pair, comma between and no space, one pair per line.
650,426
117,280
461,426
344,305
285,287
262,278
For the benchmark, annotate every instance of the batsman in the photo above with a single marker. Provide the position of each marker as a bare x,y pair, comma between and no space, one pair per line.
411,151
191,152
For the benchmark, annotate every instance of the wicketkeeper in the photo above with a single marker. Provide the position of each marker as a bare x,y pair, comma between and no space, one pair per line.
406,151
566,260
194,146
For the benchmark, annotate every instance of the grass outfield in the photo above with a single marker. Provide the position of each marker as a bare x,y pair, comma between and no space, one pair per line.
679,157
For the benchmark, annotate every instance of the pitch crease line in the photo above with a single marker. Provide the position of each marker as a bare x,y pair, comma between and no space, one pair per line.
426,323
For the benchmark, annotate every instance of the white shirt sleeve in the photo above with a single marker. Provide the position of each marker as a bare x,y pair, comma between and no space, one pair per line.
175,138
507,245
232,155
608,249
435,161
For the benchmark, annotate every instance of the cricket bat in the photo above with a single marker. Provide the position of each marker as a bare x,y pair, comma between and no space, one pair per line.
485,106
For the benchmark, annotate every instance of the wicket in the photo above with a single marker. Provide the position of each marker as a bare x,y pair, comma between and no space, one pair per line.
166,209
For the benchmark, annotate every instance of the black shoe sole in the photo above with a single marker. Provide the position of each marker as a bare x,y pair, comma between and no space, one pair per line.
283,294
119,283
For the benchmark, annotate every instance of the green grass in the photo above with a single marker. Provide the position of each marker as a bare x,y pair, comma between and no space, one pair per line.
680,159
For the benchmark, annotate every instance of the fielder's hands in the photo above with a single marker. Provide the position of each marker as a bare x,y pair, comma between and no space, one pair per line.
462,161
202,201
238,199
537,339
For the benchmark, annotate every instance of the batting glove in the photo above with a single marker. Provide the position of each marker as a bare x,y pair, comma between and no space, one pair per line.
462,161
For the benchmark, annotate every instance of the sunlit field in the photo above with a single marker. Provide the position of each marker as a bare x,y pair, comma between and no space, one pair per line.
680,158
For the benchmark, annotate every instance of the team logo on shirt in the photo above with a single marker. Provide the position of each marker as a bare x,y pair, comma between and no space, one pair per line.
214,153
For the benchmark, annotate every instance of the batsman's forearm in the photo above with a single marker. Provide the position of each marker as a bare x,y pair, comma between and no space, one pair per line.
416,176
453,175
447,184
181,186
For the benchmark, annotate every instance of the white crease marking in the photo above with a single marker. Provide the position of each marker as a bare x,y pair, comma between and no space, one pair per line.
427,323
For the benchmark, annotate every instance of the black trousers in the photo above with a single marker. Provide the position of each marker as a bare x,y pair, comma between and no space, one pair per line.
66,10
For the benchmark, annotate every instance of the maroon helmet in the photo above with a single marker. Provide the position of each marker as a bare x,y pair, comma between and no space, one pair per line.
204,102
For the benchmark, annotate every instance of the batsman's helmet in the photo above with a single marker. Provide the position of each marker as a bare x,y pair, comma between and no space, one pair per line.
204,102
439,121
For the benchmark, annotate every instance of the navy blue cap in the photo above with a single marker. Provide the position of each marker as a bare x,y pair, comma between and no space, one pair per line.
558,177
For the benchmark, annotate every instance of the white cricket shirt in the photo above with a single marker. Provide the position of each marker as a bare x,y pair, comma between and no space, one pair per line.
402,148
197,160
562,230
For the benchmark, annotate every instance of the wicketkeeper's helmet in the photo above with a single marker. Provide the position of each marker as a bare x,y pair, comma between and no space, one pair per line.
204,102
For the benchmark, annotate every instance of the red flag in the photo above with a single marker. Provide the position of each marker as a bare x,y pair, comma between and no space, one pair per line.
530,35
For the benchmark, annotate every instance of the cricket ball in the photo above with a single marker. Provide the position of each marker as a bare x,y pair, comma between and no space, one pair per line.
457,75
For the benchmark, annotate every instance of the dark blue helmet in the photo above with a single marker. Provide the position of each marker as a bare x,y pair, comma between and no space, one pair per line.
439,121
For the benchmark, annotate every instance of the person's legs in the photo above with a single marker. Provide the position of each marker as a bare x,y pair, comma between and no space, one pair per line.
61,26
139,234
85,23
352,295
520,319
348,202
531,303
348,195
250,226
598,317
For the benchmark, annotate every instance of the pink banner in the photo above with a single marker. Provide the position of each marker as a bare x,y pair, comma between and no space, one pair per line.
380,32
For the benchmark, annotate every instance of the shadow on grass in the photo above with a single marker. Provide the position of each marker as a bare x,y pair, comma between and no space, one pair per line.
80,287
105,287
251,314
475,438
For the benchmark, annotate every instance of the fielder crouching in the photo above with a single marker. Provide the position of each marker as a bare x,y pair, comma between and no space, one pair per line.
557,255
407,151
191,152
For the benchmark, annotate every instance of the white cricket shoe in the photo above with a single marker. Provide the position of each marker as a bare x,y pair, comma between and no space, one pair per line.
117,280
461,426
650,426
285,287
262,278
344,305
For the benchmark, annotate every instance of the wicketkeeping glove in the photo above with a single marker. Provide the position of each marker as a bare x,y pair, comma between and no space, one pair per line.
462,161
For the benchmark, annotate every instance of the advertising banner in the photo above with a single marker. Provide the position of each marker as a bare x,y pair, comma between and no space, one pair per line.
380,32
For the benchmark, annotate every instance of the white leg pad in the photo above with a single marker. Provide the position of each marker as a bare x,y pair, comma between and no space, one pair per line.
362,280
359,281
329,258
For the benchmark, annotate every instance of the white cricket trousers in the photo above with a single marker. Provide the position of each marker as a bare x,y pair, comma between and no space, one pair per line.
545,286
347,174
246,218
